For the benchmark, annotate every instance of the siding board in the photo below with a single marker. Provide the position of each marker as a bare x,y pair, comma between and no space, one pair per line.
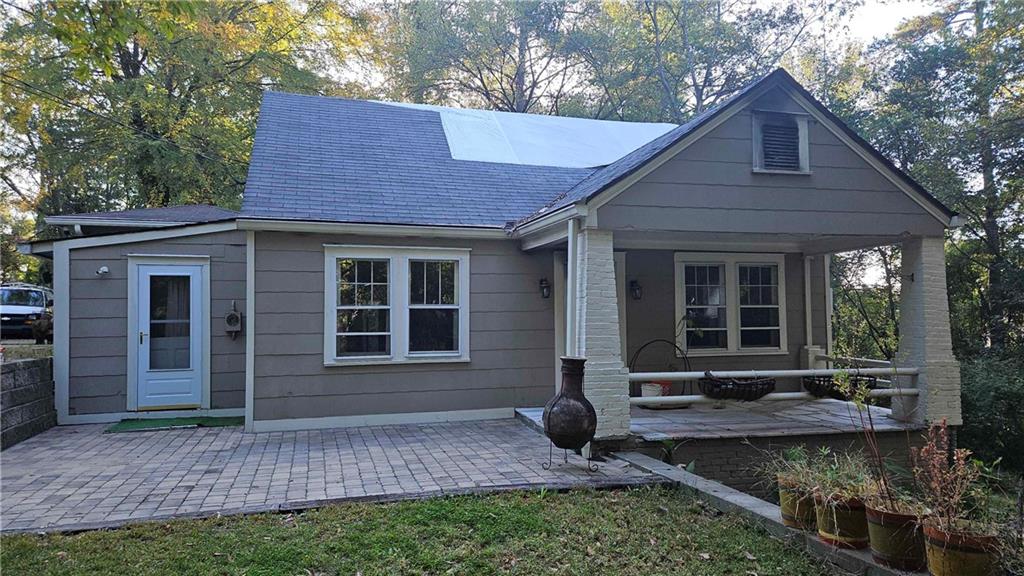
99,320
511,337
711,187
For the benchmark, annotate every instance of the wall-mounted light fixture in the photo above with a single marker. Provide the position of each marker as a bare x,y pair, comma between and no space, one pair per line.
103,270
636,290
545,288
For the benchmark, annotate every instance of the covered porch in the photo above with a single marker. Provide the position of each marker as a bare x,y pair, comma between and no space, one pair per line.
694,241
636,308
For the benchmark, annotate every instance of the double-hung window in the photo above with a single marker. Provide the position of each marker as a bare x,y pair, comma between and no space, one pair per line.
730,303
395,304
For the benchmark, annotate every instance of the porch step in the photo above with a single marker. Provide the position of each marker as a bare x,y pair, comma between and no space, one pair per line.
532,417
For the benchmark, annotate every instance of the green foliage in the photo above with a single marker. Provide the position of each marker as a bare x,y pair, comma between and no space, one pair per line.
635,532
993,410
841,476
128,104
866,320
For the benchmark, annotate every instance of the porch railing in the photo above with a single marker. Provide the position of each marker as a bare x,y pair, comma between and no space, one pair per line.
684,400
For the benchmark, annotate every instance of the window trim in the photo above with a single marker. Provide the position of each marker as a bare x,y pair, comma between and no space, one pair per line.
731,262
398,299
758,118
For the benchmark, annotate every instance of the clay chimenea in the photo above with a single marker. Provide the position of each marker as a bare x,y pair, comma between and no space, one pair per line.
569,418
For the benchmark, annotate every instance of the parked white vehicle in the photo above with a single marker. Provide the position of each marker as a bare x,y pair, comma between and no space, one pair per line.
25,312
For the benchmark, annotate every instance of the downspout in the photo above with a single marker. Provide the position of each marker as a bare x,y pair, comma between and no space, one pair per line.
572,261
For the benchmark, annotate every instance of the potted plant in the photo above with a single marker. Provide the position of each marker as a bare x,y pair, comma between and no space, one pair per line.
790,470
841,483
894,518
956,542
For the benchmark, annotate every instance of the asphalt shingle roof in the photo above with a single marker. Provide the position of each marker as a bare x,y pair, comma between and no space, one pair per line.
186,214
332,159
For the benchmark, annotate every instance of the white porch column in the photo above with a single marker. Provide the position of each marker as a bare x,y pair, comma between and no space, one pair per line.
605,379
925,340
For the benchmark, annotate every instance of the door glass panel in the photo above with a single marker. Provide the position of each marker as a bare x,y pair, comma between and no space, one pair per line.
169,329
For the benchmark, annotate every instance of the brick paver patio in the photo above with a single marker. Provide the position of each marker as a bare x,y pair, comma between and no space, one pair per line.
77,477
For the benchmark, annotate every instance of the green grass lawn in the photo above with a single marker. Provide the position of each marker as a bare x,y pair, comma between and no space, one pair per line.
642,531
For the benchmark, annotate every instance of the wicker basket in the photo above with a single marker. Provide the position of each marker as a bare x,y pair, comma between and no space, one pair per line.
825,386
745,389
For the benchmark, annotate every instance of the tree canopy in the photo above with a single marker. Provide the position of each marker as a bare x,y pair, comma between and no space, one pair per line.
124,104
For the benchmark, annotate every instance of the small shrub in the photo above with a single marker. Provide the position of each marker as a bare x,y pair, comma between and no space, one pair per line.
992,391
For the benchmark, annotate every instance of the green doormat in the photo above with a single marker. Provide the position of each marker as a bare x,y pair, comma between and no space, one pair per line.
142,424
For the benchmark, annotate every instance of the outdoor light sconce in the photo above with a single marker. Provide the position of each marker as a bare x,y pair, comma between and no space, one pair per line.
545,288
103,271
636,290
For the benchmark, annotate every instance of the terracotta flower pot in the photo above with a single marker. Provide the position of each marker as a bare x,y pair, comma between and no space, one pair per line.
896,539
959,554
796,506
842,524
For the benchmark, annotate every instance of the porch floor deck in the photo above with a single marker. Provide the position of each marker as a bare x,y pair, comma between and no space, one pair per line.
747,420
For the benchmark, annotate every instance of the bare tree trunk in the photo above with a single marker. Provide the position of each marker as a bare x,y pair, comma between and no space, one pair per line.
996,301
667,90
519,103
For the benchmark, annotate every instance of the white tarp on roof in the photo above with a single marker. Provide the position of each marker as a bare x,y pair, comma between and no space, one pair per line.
539,140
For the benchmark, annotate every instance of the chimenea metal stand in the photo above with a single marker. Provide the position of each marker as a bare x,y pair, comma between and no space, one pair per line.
569,418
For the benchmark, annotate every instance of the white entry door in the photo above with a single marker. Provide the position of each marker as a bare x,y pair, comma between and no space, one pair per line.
169,339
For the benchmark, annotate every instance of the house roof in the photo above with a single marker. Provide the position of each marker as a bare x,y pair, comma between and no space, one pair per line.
148,217
333,159
336,160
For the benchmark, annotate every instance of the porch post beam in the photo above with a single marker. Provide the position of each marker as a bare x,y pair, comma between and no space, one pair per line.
572,263
925,340
808,316
597,338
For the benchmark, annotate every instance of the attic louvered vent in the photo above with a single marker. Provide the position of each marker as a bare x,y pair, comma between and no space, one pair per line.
781,145
780,142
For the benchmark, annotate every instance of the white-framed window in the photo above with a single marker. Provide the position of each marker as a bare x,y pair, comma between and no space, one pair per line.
781,143
729,303
386,304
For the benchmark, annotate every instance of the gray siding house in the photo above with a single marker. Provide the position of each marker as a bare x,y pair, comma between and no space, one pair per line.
400,263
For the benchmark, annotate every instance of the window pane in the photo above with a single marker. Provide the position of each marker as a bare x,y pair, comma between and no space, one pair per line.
448,282
433,283
380,271
759,317
169,323
346,294
363,268
379,295
416,291
759,338
364,320
705,318
362,294
706,338
346,270
364,345
169,297
433,330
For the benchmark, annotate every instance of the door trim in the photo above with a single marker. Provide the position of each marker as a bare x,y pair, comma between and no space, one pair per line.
134,260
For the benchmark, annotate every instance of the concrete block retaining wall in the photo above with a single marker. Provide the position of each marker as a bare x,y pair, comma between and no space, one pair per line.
26,400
